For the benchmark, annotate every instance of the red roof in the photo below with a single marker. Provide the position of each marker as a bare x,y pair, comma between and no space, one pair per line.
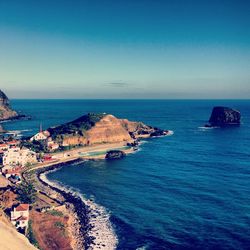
22,207
13,173
16,170
12,142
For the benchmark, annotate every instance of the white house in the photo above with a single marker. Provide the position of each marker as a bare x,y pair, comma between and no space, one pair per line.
13,175
20,216
40,136
4,146
18,157
52,145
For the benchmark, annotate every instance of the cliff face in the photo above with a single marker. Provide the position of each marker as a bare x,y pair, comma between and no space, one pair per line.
223,116
96,129
108,129
5,109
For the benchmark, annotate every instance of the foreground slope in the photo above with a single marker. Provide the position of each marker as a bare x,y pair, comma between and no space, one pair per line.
12,240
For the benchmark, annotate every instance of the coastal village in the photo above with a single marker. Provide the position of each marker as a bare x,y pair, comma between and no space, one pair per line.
17,204
30,203
26,201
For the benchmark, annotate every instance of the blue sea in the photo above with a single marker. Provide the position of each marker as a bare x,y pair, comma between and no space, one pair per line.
187,191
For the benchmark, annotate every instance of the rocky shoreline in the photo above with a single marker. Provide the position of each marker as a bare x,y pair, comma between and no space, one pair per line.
91,228
16,118
74,204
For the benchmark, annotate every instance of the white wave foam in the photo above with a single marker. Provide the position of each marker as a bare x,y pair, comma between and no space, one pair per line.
170,132
99,218
136,151
17,132
142,248
142,142
207,128
105,237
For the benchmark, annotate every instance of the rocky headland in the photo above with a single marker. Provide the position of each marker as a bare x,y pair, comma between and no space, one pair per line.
224,116
90,137
6,111
102,128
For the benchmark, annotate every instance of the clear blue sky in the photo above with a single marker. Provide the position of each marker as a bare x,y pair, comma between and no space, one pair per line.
125,49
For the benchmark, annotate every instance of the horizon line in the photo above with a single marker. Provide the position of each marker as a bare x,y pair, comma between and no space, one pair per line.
118,99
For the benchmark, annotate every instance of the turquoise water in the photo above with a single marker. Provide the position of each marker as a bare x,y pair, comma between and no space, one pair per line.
187,191
95,153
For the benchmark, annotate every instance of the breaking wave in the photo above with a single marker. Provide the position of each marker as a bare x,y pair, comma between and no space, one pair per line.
99,218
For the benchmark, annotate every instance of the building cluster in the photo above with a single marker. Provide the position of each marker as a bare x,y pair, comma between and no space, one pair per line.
46,138
19,216
13,159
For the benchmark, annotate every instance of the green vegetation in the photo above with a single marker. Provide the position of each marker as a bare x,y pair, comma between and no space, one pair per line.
28,165
55,213
36,146
66,148
76,127
26,193
31,235
59,225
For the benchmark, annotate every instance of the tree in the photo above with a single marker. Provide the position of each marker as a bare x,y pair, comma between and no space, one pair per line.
26,193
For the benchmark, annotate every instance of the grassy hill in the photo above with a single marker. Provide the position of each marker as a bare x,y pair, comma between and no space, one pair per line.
76,127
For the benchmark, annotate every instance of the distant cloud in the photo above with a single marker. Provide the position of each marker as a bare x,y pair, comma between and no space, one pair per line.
118,84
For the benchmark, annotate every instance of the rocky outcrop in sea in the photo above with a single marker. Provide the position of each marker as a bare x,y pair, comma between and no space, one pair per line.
114,154
224,116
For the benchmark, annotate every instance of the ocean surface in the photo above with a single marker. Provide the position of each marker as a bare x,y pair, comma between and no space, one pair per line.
187,191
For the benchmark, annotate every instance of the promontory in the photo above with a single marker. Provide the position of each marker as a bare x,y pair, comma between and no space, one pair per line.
101,128
6,112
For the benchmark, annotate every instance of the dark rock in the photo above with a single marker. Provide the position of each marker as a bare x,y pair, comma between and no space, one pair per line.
133,144
143,132
223,116
132,135
159,132
6,112
115,154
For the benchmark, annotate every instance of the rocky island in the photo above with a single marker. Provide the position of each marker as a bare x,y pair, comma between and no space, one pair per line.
114,154
224,116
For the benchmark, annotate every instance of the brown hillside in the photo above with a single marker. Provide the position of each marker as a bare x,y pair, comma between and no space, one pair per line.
109,129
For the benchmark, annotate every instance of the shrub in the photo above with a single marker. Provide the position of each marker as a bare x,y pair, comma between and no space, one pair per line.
31,236
26,193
